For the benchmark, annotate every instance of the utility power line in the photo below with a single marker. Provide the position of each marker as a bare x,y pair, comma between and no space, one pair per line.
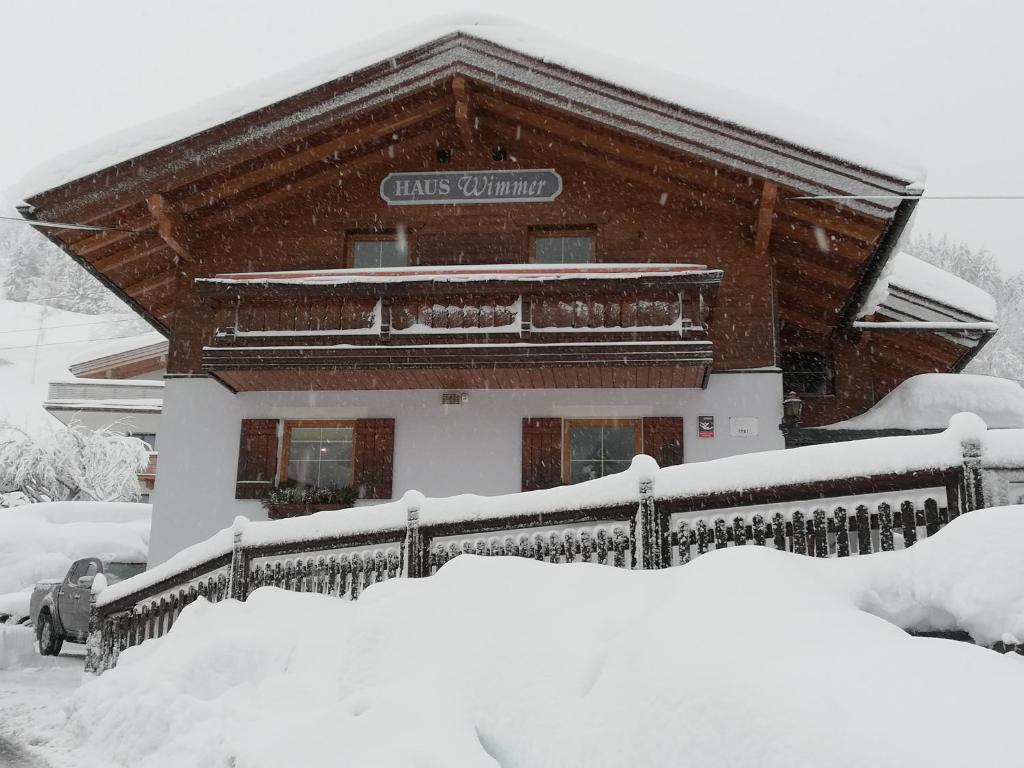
66,325
67,225
60,343
907,197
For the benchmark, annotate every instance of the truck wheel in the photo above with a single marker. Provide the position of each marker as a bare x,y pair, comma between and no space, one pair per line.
50,641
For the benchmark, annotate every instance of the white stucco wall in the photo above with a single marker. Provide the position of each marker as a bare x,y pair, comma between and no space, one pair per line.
441,451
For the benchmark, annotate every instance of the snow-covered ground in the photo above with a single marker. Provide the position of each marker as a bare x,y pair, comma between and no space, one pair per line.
746,656
36,345
40,541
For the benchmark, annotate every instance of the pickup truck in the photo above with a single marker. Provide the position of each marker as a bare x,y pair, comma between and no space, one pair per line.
60,609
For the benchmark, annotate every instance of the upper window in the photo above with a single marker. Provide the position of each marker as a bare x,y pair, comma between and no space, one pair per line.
597,448
563,249
149,438
806,373
317,454
370,252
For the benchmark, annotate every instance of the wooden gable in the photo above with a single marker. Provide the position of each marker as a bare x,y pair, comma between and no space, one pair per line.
285,187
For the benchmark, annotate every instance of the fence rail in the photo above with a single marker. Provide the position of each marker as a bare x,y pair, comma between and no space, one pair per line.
839,517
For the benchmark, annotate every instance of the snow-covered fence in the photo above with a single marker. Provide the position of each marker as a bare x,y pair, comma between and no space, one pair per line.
838,500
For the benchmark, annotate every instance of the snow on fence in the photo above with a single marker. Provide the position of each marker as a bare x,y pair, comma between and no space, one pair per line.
838,500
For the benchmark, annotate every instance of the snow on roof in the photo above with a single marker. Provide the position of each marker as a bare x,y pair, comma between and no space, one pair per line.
916,276
463,273
711,100
927,401
96,352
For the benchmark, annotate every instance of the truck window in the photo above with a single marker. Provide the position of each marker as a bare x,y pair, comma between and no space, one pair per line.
116,572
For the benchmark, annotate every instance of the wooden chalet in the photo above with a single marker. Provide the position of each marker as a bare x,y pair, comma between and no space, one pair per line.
469,259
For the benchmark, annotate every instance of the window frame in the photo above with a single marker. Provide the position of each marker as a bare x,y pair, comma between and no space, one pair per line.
352,238
536,233
286,442
828,371
568,424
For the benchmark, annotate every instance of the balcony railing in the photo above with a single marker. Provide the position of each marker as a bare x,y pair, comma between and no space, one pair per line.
649,316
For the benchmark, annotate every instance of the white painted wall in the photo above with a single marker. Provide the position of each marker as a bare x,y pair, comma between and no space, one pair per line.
439,450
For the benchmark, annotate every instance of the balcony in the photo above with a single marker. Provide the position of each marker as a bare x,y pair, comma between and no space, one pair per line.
510,326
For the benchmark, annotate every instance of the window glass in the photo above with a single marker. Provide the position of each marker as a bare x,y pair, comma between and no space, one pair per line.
368,254
806,373
599,450
147,437
116,572
319,457
563,250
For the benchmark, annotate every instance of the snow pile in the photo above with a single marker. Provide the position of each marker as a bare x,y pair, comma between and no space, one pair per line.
673,87
929,400
40,541
746,656
931,282
137,342
38,345
17,646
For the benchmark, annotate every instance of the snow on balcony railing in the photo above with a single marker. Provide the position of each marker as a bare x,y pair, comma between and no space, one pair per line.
465,273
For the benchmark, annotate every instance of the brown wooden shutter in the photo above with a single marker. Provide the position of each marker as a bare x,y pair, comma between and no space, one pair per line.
373,457
542,453
257,458
663,439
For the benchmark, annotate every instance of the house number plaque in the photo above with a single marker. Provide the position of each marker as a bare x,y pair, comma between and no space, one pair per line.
540,185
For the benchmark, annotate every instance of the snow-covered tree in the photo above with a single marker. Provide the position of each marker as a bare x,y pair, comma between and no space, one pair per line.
34,269
73,463
1004,354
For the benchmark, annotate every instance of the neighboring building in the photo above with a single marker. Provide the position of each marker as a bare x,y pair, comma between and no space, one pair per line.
475,259
119,386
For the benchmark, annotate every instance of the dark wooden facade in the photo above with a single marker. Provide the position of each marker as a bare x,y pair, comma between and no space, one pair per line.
295,194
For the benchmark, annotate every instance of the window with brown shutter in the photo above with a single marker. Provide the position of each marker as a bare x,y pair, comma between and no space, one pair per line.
317,453
257,458
542,453
663,439
373,458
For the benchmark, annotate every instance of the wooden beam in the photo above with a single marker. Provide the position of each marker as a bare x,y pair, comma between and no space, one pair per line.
833,219
171,226
655,178
700,175
765,216
331,174
296,162
150,283
463,110
129,255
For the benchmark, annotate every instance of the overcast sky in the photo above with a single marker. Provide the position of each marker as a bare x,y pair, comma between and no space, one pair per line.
940,80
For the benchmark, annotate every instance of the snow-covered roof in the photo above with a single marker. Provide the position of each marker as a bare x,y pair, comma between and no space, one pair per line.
929,400
918,277
464,273
673,87
96,352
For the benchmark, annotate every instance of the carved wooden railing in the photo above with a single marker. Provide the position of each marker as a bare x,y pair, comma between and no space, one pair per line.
633,529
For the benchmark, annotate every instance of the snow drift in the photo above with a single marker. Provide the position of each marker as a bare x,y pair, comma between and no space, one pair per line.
40,541
746,656
930,400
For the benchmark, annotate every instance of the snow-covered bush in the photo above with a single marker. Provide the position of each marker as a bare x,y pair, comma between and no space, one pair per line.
72,463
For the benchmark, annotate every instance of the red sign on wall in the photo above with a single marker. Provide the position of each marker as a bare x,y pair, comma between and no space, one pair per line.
705,426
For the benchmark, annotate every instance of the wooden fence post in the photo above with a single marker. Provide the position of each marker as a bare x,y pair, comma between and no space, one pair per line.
412,566
238,587
94,662
972,492
647,553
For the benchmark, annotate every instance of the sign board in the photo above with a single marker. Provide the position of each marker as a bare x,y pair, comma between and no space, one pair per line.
743,426
465,187
705,426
